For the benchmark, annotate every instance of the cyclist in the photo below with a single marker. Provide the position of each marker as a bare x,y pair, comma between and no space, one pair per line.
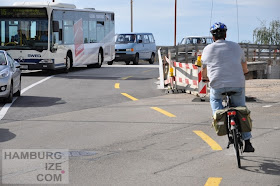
224,66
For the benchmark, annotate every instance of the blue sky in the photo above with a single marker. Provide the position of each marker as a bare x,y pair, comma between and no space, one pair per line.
193,16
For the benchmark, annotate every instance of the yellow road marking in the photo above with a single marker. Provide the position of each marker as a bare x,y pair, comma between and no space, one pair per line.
117,85
212,181
208,140
148,70
163,112
124,78
129,96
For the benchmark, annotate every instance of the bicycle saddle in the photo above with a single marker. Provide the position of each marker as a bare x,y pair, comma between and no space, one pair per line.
229,93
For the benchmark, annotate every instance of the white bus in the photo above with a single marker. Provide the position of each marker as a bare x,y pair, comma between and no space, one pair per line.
42,36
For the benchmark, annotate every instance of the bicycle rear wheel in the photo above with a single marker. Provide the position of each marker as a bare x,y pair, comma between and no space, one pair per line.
236,147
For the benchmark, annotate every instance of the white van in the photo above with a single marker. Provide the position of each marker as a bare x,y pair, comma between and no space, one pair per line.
134,46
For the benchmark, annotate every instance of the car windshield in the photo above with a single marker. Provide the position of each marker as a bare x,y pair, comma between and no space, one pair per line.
196,40
2,59
126,38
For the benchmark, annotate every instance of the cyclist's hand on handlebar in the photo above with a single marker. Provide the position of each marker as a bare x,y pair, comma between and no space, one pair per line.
205,79
245,71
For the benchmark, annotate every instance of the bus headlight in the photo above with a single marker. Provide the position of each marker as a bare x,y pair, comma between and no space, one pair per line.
46,61
4,73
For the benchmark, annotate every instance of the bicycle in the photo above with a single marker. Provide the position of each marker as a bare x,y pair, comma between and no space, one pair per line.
233,127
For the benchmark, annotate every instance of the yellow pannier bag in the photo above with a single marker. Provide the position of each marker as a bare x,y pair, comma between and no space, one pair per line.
219,122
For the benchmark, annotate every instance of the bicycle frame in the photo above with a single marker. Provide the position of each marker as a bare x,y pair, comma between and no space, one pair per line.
233,128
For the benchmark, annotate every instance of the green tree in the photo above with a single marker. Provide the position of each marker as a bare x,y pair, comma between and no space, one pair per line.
267,36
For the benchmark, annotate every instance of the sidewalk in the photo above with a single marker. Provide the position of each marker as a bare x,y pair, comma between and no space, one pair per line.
267,90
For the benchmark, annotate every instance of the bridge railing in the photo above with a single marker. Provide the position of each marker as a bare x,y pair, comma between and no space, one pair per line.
253,52
263,62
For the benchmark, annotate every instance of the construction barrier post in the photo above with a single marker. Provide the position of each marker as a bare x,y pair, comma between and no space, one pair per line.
202,87
161,75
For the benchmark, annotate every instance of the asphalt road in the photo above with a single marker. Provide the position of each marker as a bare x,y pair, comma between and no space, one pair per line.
118,140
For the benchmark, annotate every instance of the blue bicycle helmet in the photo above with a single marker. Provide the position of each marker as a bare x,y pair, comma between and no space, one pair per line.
218,30
218,27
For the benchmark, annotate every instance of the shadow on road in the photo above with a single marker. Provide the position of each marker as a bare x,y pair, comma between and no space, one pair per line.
6,135
265,165
44,73
38,101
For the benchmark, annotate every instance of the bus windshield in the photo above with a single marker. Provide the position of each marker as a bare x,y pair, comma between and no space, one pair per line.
23,29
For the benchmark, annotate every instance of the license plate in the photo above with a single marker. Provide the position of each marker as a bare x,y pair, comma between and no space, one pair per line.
25,67
117,55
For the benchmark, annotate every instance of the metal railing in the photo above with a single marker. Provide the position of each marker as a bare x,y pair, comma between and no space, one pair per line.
253,52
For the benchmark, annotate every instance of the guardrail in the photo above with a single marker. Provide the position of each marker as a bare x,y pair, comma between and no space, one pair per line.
253,52
178,76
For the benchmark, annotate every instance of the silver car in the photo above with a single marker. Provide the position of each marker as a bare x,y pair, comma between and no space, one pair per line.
10,77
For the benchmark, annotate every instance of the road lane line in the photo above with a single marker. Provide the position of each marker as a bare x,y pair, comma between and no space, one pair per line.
129,96
130,66
117,85
214,145
6,107
37,83
124,78
163,112
267,106
213,181
148,70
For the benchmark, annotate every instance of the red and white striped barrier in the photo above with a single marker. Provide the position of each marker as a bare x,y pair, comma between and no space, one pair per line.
185,76
189,75
185,65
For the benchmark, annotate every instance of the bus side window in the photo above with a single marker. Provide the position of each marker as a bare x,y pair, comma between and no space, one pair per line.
55,26
60,35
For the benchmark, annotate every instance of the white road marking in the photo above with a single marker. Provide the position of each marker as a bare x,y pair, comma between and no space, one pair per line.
6,107
132,66
266,106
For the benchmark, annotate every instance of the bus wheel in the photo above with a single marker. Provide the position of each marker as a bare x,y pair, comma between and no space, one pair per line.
68,64
99,63
100,60
127,62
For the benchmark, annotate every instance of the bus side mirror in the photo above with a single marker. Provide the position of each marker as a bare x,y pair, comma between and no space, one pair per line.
55,47
55,26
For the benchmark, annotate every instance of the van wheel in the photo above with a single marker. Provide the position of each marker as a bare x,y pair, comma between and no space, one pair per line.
136,59
127,62
152,60
110,62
